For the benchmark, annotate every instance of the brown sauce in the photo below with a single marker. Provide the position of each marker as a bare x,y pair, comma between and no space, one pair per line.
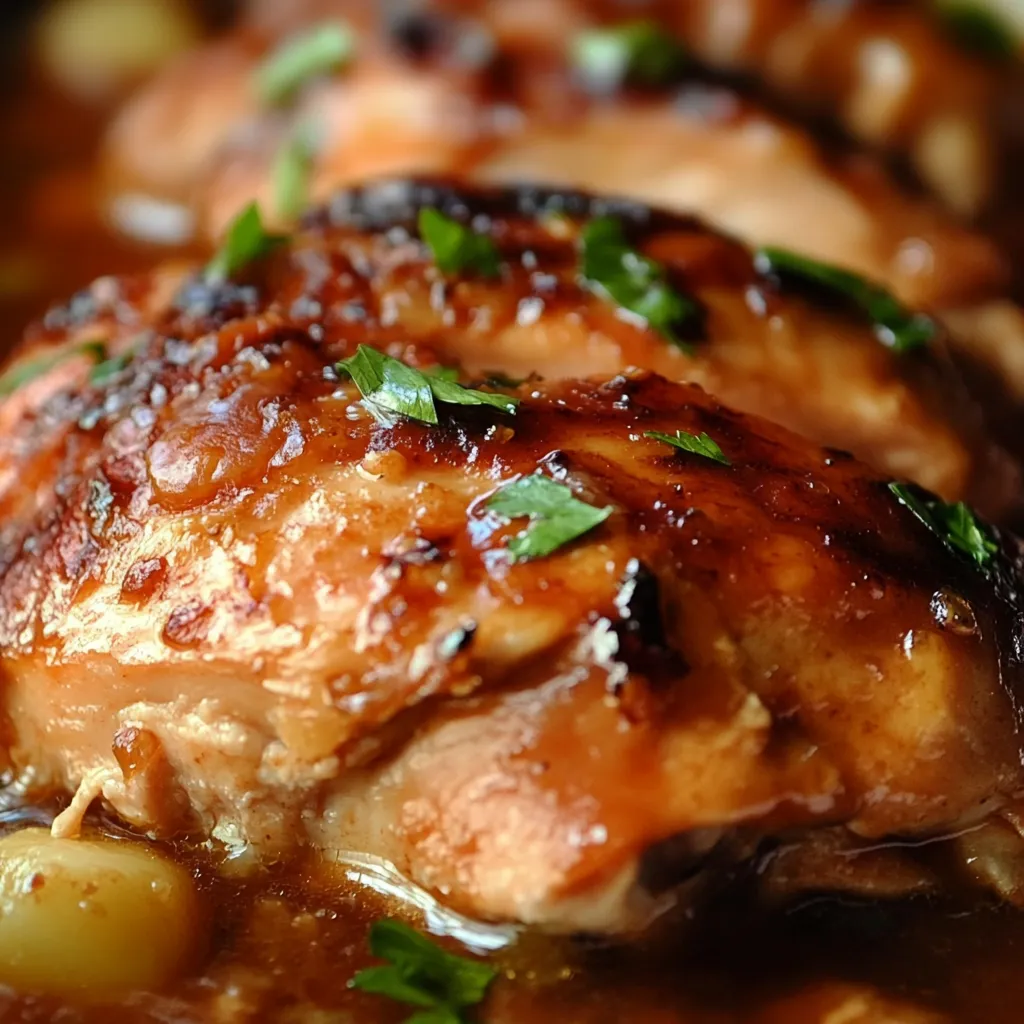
283,945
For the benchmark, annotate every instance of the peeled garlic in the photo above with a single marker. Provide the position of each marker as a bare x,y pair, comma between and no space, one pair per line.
92,916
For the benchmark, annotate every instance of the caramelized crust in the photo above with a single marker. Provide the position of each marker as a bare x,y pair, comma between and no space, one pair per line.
456,86
358,270
487,91
887,71
232,604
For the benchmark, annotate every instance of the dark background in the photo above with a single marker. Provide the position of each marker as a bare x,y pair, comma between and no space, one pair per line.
53,239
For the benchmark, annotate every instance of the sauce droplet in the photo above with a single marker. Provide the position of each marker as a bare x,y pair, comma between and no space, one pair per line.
954,613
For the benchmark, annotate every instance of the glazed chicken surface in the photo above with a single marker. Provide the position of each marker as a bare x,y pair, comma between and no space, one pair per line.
799,358
239,602
497,92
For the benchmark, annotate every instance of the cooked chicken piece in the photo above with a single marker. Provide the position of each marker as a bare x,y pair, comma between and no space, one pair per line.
799,359
805,364
801,363
887,72
238,602
491,99
892,74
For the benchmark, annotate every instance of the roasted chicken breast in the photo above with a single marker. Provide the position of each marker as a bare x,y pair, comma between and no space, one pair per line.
550,659
799,356
499,93
893,75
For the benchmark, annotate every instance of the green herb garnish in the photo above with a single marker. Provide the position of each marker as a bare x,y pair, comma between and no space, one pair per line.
637,51
613,269
290,177
390,389
320,51
456,247
896,326
445,373
954,524
246,240
556,516
24,372
109,368
977,28
420,973
697,444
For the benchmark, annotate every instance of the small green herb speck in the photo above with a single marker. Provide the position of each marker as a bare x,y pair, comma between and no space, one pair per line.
390,389
109,368
455,247
246,240
638,52
697,444
556,515
290,177
979,29
421,974
24,372
613,269
954,524
319,51
896,326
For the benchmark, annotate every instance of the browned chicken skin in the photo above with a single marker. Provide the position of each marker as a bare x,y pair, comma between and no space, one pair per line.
487,90
793,359
234,604
888,72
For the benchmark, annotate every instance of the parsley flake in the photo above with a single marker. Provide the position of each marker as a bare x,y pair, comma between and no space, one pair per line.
611,268
896,326
977,28
320,51
456,247
556,515
246,240
954,524
422,974
391,390
25,372
638,52
109,368
697,444
290,177
444,373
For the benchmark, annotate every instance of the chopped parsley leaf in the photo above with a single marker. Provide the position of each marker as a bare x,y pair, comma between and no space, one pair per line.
24,372
456,247
954,524
638,52
556,515
611,268
109,368
977,28
290,176
319,51
443,373
391,390
896,326
246,240
422,974
698,444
